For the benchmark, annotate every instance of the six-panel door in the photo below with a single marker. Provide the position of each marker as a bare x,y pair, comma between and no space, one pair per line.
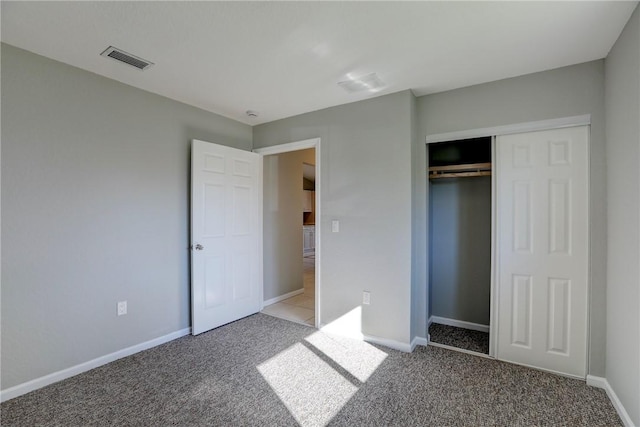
542,207
225,235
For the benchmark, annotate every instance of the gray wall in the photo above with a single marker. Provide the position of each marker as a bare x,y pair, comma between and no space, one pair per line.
366,185
460,239
282,220
95,209
568,91
95,204
622,85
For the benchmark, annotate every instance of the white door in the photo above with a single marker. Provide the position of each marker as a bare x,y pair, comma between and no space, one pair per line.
226,235
542,204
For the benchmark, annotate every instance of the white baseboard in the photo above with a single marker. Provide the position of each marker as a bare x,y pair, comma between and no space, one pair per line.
282,297
459,323
396,345
37,383
419,341
598,382
604,384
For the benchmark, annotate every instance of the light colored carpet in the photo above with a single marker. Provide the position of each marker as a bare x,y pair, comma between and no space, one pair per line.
263,371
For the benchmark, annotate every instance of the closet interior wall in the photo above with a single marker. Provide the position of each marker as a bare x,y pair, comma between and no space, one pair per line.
460,232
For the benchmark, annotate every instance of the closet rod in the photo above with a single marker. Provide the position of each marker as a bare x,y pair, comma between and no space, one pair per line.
460,171
459,174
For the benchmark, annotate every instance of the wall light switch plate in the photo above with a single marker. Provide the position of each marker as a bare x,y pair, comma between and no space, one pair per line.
335,226
122,308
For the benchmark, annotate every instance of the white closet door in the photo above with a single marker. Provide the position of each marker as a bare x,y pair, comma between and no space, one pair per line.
542,205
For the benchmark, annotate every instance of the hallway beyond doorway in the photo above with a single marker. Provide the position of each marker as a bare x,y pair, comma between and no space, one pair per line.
300,308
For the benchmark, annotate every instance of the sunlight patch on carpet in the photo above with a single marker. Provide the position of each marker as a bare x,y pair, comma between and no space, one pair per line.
311,389
359,358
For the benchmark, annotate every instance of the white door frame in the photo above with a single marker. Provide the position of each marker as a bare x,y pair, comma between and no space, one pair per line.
492,132
297,146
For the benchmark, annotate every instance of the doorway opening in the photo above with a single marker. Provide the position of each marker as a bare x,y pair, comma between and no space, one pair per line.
291,223
460,241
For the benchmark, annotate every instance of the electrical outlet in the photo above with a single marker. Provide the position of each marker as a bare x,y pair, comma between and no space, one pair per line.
122,308
366,297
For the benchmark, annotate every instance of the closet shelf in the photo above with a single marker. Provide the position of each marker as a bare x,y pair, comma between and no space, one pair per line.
460,171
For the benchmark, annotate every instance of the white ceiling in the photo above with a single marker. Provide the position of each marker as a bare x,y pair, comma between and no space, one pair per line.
285,58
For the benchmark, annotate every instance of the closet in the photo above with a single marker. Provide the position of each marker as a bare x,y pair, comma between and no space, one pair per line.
460,201
509,243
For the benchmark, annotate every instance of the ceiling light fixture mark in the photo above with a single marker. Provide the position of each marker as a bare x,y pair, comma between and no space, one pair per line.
370,83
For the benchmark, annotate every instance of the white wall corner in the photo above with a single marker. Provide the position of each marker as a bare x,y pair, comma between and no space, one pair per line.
54,377
602,383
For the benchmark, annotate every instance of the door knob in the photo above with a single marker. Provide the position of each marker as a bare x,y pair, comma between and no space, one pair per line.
197,247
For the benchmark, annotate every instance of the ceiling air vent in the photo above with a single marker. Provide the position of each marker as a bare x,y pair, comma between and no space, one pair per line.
126,58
